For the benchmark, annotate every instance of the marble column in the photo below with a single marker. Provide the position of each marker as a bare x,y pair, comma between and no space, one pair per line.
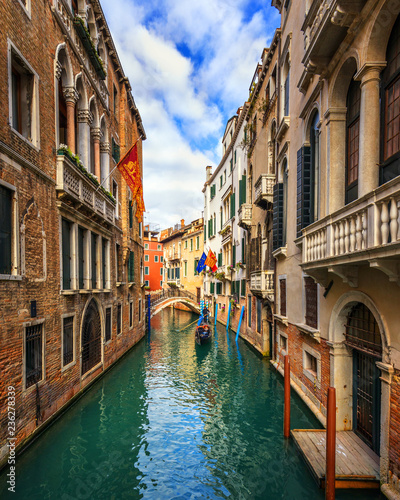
95,135
368,170
341,377
336,158
71,97
85,118
105,163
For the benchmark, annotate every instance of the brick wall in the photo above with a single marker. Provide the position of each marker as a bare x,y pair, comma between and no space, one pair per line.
394,432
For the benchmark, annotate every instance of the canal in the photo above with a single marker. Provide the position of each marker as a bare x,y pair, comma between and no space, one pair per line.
173,420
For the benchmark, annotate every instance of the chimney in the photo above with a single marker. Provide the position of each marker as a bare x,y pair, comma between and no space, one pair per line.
208,172
182,222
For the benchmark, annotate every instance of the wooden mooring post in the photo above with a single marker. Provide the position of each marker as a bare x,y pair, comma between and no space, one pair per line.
286,415
330,445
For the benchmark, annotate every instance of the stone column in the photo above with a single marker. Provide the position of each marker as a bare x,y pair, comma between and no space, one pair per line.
105,163
368,172
336,158
85,118
71,97
96,134
341,377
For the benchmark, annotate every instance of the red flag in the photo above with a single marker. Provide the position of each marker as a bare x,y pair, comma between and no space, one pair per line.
139,204
130,170
211,260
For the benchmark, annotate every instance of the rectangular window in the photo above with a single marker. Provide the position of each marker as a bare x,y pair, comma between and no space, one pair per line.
118,262
107,333
161,284
131,312
242,288
140,310
161,271
146,270
156,258
115,101
94,260
282,287
131,267
6,198
249,311
66,254
212,288
219,288
147,283
392,119
311,296
146,246
119,319
185,269
158,247
130,212
24,99
81,257
146,258
68,340
305,184
196,263
115,151
191,244
259,312
197,242
278,217
33,355
161,259
104,260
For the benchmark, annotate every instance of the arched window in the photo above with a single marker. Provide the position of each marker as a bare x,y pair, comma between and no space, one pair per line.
390,82
62,115
352,140
91,337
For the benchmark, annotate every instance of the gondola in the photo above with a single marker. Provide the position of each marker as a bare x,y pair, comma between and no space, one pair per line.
203,333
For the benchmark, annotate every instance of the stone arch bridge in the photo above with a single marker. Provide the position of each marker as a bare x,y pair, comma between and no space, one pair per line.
165,298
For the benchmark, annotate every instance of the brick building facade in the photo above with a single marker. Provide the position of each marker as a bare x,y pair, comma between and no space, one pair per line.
71,254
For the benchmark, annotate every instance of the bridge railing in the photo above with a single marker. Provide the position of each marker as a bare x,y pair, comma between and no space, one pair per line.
158,297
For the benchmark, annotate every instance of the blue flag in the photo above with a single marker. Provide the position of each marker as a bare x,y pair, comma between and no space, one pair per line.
201,265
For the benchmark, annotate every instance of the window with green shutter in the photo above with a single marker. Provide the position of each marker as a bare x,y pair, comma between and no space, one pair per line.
66,254
234,255
219,288
212,191
242,190
278,214
6,196
304,189
220,259
104,260
131,267
233,205
81,257
243,251
94,259
212,288
242,288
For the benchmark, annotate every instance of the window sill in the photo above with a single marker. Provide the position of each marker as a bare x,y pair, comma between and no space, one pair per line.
10,277
70,292
120,283
308,330
68,366
312,376
282,319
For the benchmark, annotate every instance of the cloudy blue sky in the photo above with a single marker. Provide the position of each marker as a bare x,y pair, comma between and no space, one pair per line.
190,64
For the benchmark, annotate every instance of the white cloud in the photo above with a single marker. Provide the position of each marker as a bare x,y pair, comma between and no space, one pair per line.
190,66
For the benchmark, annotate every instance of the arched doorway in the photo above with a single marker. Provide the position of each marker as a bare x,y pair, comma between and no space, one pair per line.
362,335
91,337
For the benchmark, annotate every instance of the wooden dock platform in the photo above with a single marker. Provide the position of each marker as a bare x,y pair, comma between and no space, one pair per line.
357,466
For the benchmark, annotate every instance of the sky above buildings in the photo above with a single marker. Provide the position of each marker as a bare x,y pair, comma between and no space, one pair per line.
190,65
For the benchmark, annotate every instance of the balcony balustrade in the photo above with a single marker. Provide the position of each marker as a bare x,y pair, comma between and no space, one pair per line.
245,214
264,190
262,284
226,232
75,185
365,231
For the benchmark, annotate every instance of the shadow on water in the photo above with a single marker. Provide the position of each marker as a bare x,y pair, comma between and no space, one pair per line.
174,420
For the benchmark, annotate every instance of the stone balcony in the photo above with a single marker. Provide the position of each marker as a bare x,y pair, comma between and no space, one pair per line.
226,232
325,27
76,186
244,214
364,232
262,284
264,190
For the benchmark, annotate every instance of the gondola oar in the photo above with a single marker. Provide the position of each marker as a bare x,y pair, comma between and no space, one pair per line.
187,326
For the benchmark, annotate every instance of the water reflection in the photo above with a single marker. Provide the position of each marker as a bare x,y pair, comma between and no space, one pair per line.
174,420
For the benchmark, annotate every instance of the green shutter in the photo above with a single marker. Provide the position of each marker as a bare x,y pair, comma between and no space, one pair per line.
94,260
212,288
243,251
233,255
233,205
81,257
277,224
104,262
66,254
131,267
242,190
220,259
304,189
5,230
243,288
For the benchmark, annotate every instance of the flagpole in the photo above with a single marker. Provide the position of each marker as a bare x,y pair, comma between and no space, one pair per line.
116,166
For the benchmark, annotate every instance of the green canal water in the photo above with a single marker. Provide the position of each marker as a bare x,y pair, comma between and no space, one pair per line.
173,420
